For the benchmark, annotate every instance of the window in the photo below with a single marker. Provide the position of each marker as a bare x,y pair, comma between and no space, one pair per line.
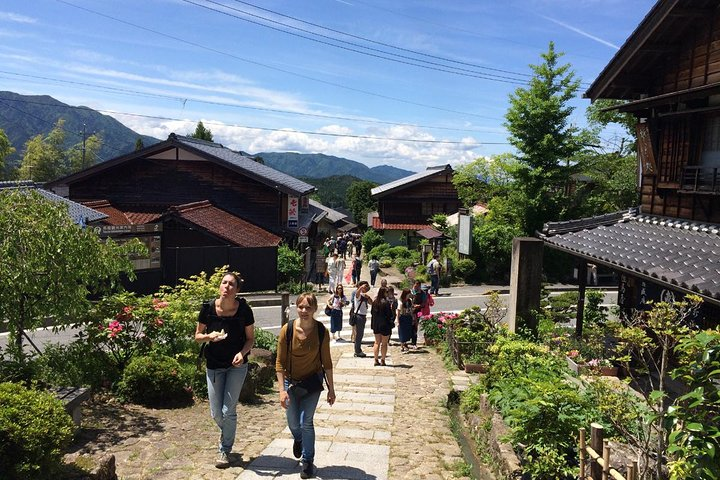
710,155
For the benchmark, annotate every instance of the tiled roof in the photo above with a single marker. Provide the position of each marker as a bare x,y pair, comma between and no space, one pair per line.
248,166
409,180
679,253
225,225
80,213
126,215
332,215
429,233
378,225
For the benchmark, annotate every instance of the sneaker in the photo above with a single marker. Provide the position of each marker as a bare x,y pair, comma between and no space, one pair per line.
361,355
308,470
222,460
297,448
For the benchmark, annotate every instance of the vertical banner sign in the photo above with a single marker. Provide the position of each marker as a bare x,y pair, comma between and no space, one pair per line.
465,234
645,150
292,212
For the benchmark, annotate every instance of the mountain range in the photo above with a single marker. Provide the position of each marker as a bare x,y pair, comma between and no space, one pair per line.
24,116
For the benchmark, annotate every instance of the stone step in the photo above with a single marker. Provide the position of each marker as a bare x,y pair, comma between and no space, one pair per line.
339,460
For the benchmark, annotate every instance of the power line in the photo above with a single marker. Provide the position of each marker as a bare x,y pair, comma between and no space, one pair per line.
253,62
445,59
407,60
250,127
184,99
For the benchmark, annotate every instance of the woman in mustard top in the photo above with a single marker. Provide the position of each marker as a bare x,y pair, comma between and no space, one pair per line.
299,359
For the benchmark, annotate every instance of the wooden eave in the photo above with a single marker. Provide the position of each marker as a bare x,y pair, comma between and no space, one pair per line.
630,73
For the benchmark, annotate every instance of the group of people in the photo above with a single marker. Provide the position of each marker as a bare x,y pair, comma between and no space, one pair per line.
226,329
304,366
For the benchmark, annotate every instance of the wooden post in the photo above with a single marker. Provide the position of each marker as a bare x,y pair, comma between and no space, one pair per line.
631,472
284,308
636,471
596,442
525,283
582,282
606,460
582,454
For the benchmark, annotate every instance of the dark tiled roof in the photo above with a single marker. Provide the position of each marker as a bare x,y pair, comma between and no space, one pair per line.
80,213
248,166
225,225
429,233
409,180
676,252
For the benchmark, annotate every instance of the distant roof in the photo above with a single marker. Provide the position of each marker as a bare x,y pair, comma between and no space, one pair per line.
332,215
80,213
682,254
212,151
378,225
127,215
430,233
479,209
248,166
225,225
410,180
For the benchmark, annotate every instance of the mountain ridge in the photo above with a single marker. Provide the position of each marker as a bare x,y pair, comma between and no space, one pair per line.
22,117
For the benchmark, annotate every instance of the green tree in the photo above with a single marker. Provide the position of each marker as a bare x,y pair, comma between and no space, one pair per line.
359,201
79,159
547,143
484,178
44,158
50,265
6,149
202,133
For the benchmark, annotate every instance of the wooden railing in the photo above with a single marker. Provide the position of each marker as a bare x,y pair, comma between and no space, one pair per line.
595,458
700,179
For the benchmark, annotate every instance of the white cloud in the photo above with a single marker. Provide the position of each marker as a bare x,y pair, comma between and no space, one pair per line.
16,17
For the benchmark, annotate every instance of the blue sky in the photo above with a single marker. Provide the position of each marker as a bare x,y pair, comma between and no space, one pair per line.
430,87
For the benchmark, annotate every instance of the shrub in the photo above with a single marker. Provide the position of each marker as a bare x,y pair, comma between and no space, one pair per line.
290,264
34,429
155,380
399,252
371,239
266,340
379,251
464,268
470,398
75,364
434,325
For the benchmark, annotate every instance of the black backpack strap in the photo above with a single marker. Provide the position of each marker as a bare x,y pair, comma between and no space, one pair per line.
288,345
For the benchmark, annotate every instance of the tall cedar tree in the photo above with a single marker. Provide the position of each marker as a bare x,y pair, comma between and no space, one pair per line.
202,133
538,122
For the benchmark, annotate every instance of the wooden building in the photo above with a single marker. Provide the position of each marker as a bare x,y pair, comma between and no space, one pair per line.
406,205
197,205
668,75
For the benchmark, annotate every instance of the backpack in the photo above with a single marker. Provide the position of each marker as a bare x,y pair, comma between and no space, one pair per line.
431,270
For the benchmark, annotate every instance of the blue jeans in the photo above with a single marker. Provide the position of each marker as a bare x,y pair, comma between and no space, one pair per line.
300,413
224,386
434,284
373,276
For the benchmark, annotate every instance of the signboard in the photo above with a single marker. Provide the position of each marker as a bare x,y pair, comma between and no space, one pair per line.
118,229
465,234
303,231
292,211
151,259
303,239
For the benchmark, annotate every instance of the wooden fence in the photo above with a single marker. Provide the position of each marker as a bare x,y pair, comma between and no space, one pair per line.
595,458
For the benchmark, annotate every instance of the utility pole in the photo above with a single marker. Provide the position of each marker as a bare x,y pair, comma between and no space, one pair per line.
83,148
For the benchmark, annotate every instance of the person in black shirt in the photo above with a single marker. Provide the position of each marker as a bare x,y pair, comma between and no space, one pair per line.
227,323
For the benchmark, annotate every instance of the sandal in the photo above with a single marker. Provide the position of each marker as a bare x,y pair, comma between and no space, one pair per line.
383,363
377,364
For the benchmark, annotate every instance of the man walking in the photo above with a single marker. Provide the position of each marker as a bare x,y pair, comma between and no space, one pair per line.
433,269
374,267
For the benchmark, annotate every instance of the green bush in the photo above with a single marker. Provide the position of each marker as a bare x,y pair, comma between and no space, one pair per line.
379,251
464,268
155,380
75,364
34,429
290,264
399,252
266,340
470,398
371,239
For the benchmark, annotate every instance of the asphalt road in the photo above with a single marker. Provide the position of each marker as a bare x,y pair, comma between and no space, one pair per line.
454,299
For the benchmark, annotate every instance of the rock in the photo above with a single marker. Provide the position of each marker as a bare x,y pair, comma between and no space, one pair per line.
89,467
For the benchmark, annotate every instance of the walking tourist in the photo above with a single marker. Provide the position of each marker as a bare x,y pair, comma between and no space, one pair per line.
374,267
433,269
303,360
227,325
336,303
362,300
405,319
381,322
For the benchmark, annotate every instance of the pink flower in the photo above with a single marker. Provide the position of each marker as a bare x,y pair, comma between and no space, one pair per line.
159,322
573,353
